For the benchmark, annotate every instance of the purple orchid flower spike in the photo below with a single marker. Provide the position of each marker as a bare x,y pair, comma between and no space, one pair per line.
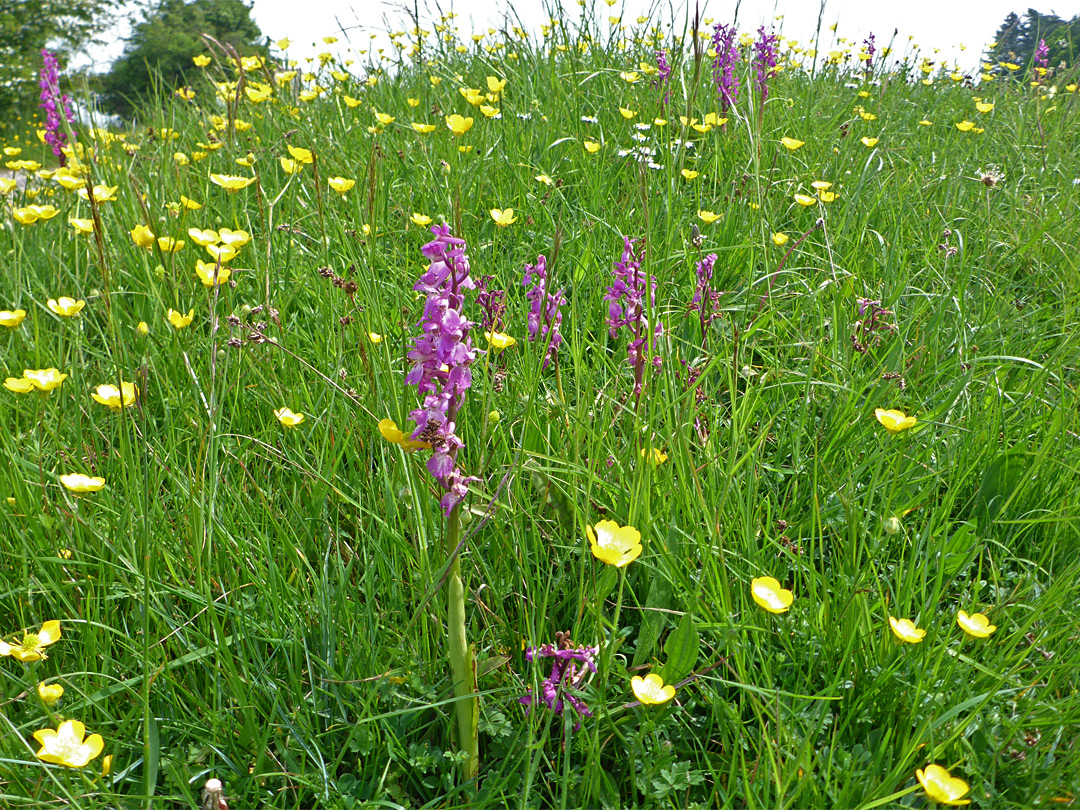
441,358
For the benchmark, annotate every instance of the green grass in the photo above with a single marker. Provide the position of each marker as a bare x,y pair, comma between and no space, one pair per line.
263,605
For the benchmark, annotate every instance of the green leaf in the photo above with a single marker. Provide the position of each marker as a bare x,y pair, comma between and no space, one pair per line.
959,549
681,649
653,619
998,484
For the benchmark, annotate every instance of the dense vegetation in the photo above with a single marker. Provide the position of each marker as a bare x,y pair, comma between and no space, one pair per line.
847,414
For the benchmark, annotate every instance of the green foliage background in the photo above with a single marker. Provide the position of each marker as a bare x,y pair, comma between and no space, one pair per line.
161,46
262,605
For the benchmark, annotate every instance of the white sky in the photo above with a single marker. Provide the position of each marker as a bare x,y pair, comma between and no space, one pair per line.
940,24
943,24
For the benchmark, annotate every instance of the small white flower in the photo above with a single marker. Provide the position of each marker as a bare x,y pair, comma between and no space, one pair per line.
590,119
642,126
525,116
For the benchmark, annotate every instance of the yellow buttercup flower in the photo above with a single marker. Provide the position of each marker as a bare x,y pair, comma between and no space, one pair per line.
689,174
423,129
302,155
499,341
976,625
906,631
592,147
925,123
116,398
768,594
780,239
288,418
189,204
77,482
221,253
869,143
234,239
458,125
169,245
984,106
495,85
375,337
44,379
290,166
32,647
30,214
708,217
422,220
230,182
656,457
50,692
101,193
142,236
65,745
545,179
965,126
12,318
82,225
503,218
627,114
894,421
805,201
202,60
791,144
472,95
178,319
651,689
18,385
614,544
389,430
143,329
203,238
383,118
942,787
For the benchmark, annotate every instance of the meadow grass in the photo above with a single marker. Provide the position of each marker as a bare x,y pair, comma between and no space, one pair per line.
264,605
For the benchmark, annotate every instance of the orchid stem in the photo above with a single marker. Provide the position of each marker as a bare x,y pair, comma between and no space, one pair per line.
462,663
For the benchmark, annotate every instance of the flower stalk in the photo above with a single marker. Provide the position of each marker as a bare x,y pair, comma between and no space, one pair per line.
462,660
442,357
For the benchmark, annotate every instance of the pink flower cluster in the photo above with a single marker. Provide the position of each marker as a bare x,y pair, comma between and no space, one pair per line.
54,103
544,314
626,307
727,55
441,358
569,666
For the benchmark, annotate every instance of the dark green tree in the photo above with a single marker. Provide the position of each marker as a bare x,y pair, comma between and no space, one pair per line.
162,44
1019,36
27,26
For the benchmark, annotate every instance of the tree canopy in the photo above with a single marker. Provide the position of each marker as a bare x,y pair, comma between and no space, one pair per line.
163,43
28,26
1019,37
